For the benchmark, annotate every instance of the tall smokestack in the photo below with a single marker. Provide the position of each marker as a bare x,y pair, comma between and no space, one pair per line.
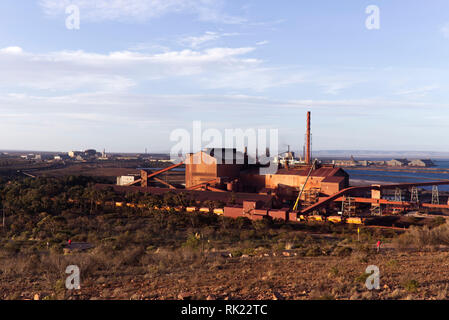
308,151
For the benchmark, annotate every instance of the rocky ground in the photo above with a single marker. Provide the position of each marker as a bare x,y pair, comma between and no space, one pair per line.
403,275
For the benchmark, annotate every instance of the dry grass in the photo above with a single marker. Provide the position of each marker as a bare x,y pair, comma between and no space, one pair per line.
424,237
165,273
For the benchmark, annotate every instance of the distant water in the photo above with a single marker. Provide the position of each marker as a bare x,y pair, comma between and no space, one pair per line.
157,169
402,177
385,176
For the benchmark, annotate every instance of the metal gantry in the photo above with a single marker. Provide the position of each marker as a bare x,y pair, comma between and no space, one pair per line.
348,207
415,195
376,210
398,195
435,195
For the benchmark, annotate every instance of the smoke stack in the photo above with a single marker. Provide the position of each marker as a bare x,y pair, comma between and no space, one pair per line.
308,151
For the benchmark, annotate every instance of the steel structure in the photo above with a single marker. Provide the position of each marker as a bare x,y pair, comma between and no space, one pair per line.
435,195
146,176
308,139
398,195
414,195
339,195
348,207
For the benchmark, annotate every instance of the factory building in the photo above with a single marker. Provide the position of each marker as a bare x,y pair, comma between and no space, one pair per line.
229,170
325,180
218,166
206,167
236,178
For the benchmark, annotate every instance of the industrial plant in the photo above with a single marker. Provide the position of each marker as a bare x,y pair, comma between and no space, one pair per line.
299,190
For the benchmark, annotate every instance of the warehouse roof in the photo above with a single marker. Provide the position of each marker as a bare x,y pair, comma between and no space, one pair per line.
320,172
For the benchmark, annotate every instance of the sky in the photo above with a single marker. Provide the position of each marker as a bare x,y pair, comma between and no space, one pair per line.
136,70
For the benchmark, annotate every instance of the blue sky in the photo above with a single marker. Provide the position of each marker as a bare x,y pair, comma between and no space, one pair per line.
138,69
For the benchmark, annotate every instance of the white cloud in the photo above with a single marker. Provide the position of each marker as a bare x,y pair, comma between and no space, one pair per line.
194,42
221,69
11,50
418,92
121,70
127,122
80,71
141,10
445,30
207,37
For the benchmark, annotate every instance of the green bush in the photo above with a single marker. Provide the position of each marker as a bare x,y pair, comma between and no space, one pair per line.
363,277
411,285
193,242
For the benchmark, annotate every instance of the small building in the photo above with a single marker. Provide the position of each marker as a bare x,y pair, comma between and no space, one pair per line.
90,153
60,157
377,163
363,163
345,163
126,180
74,154
30,156
398,163
425,163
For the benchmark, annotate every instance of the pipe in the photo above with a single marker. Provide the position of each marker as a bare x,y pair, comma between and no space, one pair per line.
308,151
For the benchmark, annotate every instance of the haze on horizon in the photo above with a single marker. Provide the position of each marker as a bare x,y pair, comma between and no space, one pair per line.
138,69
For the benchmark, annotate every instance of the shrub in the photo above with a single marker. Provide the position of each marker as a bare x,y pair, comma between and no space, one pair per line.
424,236
411,285
342,251
334,271
392,263
289,246
314,251
363,277
438,221
237,253
12,247
193,241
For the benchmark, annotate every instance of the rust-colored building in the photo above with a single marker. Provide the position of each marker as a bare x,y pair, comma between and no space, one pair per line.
327,180
228,170
216,166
